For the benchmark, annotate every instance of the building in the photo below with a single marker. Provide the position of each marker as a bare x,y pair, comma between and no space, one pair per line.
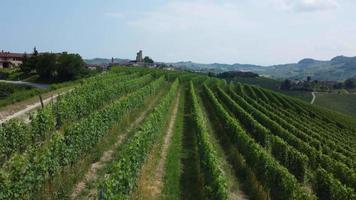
139,57
10,60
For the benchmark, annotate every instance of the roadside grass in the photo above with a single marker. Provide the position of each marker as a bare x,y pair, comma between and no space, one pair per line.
171,182
11,93
14,74
23,94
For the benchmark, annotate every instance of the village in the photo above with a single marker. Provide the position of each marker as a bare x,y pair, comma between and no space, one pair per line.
11,60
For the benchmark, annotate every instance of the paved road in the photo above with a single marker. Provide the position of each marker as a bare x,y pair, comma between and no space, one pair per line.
36,85
314,96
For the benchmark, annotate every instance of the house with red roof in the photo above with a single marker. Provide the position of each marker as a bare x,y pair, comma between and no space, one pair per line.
10,60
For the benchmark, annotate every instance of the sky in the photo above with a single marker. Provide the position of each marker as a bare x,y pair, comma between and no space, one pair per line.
206,31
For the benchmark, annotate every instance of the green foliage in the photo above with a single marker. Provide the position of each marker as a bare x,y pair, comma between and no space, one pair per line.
55,67
214,176
42,123
13,138
78,104
328,188
124,173
300,141
286,144
46,66
70,66
147,59
41,163
282,184
294,161
350,83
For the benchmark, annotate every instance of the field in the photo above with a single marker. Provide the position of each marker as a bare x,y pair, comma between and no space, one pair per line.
345,103
137,133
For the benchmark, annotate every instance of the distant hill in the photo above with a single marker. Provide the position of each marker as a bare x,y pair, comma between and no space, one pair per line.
216,67
338,68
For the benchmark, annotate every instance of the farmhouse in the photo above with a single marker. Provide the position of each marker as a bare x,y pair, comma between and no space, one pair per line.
9,60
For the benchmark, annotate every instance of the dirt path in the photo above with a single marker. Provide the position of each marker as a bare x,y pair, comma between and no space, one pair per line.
5,115
150,187
91,175
314,96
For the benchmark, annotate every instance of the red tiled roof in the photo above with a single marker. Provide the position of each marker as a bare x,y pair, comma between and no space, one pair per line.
10,55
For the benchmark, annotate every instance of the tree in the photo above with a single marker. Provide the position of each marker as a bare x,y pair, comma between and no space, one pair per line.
25,67
350,83
29,64
338,86
286,84
308,78
148,60
46,66
70,66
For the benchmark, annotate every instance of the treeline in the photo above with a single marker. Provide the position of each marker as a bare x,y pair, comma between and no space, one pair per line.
309,85
55,67
233,74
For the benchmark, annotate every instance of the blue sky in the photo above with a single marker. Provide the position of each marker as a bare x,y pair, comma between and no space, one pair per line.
226,31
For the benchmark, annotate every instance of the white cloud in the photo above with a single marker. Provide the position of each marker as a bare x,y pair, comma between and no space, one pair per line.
240,31
115,14
188,15
307,5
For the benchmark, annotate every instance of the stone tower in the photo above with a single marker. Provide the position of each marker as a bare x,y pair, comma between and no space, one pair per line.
139,57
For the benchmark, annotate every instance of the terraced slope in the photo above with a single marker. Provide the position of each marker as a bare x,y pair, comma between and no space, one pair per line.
136,133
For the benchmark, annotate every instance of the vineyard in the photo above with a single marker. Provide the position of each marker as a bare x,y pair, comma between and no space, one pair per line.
137,133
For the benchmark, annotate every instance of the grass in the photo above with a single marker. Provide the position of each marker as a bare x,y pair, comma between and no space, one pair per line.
15,74
148,182
191,182
344,103
11,93
173,168
260,81
23,94
303,95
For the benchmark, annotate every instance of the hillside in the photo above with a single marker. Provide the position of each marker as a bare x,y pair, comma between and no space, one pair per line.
274,85
338,68
137,133
336,100
345,103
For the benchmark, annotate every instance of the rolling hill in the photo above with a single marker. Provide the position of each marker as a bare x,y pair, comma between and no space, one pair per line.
338,68
139,133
